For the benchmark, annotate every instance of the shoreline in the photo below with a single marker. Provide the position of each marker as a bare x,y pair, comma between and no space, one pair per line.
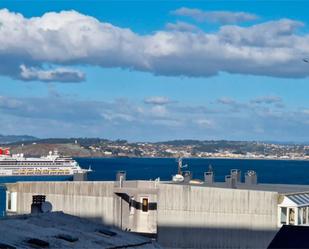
212,158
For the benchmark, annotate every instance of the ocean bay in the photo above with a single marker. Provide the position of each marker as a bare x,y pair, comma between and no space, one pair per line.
268,171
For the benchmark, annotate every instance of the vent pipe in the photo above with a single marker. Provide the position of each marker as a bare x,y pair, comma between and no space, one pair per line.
209,177
251,177
230,181
121,177
40,205
187,176
236,174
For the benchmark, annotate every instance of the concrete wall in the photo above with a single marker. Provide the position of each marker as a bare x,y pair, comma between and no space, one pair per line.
136,221
204,217
104,202
92,200
185,217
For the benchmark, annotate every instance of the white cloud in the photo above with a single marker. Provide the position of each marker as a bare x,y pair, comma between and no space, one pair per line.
63,116
305,111
157,100
70,38
205,123
267,100
223,17
226,101
181,27
159,111
58,74
9,103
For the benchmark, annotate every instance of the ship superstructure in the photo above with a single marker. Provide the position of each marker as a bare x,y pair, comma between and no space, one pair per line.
52,165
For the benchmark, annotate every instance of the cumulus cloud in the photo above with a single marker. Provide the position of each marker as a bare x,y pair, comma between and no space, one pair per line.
205,123
9,103
181,27
222,17
232,104
159,111
58,74
226,101
70,38
259,104
157,100
267,100
122,118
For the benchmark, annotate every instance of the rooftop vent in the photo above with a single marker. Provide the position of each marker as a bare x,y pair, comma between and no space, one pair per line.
187,176
38,242
236,173
209,177
121,177
106,232
251,177
230,181
40,205
79,177
67,237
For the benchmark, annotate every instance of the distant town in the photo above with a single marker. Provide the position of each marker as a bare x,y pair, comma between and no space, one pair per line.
96,147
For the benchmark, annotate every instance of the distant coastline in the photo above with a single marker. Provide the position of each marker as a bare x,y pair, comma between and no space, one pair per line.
215,158
103,148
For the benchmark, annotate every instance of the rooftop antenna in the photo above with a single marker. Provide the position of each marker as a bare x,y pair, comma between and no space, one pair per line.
180,165
210,168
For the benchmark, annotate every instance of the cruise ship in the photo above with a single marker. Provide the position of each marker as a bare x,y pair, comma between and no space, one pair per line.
50,165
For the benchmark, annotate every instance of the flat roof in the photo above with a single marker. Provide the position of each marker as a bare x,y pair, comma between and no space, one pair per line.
61,230
279,188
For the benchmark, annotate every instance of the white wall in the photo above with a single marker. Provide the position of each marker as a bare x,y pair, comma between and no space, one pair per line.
204,217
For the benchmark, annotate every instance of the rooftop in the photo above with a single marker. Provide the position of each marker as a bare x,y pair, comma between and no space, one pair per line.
59,230
279,188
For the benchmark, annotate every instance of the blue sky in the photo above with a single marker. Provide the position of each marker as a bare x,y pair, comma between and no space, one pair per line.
153,71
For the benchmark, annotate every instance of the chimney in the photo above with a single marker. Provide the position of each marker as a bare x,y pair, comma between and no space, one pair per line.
83,176
187,176
230,181
121,177
251,177
40,205
209,177
236,173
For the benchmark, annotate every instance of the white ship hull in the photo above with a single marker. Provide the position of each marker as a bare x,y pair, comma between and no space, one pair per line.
52,165
37,171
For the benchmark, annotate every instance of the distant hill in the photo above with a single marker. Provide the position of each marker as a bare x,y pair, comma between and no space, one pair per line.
98,147
8,139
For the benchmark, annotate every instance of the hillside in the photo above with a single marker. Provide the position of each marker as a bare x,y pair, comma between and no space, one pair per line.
8,139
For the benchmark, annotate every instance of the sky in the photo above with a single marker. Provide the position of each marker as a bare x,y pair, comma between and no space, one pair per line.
155,70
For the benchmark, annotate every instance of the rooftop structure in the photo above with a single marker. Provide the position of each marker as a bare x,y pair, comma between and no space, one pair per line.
59,230
187,214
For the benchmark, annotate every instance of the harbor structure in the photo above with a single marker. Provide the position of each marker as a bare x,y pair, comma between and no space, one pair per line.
188,214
